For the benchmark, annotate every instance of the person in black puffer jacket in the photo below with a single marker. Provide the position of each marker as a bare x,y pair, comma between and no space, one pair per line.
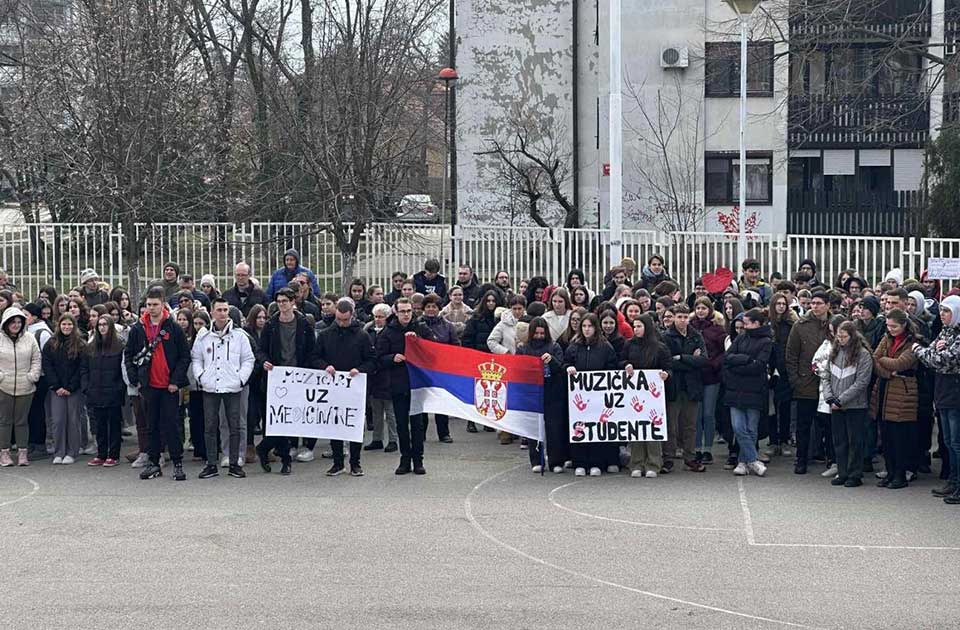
746,369
590,352
62,356
478,328
555,410
379,398
391,344
102,383
445,332
685,389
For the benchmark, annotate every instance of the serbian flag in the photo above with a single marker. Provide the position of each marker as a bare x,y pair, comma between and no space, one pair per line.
502,391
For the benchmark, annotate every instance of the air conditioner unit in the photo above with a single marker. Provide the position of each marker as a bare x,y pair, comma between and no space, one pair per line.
674,57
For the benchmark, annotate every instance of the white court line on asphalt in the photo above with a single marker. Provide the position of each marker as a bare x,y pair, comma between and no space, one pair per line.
468,510
36,488
751,539
557,504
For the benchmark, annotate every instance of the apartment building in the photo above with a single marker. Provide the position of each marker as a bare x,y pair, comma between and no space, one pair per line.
842,98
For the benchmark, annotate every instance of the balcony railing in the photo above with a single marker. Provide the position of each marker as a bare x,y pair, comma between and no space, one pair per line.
859,21
866,214
826,121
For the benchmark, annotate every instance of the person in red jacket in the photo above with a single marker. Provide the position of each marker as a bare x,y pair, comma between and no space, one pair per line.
705,321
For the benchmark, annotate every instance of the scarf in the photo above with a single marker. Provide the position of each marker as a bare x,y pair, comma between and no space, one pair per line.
159,369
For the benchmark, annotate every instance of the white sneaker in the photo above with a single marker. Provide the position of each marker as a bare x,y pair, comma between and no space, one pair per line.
305,455
740,470
911,475
67,460
141,461
293,452
636,474
57,460
595,472
880,474
580,472
613,469
90,450
830,472
558,470
537,469
651,474
225,462
757,468
568,464
786,451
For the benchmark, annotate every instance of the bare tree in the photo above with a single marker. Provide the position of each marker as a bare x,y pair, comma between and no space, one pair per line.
668,145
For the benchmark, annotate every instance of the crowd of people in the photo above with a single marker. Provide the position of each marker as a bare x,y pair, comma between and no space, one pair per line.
835,376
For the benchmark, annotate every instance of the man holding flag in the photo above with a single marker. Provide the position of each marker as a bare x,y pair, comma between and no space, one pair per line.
391,348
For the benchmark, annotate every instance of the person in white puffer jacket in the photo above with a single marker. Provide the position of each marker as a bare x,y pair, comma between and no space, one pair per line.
19,373
222,362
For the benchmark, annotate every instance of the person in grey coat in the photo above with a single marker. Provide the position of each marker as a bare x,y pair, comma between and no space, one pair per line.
846,389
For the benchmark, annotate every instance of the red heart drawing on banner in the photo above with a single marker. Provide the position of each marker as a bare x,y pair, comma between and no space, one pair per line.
718,281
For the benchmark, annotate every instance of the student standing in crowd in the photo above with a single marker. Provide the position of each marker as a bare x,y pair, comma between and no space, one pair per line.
104,390
157,358
476,332
287,339
645,351
20,365
379,399
345,347
685,389
782,320
709,324
62,358
846,389
805,339
540,345
444,332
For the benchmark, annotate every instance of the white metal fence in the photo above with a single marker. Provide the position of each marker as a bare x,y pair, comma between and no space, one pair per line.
39,254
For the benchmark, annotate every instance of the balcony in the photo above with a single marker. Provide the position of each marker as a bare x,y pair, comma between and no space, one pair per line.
860,213
826,20
825,121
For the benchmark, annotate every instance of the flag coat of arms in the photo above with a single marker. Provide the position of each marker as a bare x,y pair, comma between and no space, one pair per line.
502,391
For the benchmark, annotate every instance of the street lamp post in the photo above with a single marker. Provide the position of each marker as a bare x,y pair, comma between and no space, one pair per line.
447,75
743,9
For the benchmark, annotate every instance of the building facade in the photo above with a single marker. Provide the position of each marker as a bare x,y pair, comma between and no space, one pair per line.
840,108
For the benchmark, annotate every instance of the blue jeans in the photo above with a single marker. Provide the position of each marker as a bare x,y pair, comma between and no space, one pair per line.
950,427
745,423
707,418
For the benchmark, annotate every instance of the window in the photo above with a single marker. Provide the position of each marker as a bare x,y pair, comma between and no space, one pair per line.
722,185
723,69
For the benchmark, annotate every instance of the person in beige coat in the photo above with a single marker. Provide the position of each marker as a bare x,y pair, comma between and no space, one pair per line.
19,373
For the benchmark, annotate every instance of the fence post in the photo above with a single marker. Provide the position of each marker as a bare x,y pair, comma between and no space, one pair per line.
910,255
116,251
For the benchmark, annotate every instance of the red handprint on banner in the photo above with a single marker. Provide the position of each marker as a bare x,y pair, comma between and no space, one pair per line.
578,430
655,418
636,404
579,403
655,391
605,415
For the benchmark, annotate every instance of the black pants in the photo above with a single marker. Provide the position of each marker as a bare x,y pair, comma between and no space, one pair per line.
924,433
279,443
37,418
899,444
443,425
163,418
410,429
780,424
849,430
255,406
337,447
108,422
807,416
197,425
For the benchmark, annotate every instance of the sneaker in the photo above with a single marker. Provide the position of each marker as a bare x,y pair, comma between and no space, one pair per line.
953,499
537,469
286,469
838,481
109,462
236,471
740,470
772,450
391,447
695,466
911,476
446,440
151,471
558,470
707,458
524,446
22,458
636,474
335,470
613,469
678,454
595,472
141,461
90,450
883,483
944,491
580,472
487,429
306,455
376,445
830,472
730,464
853,482
96,461
897,484
786,451
757,468
568,464
225,462
57,461
178,474
356,471
67,460
763,458
667,467
471,427
5,459
799,468
882,474
418,468
209,471
327,454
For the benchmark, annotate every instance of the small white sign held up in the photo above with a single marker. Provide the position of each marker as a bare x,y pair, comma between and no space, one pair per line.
943,268
311,403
